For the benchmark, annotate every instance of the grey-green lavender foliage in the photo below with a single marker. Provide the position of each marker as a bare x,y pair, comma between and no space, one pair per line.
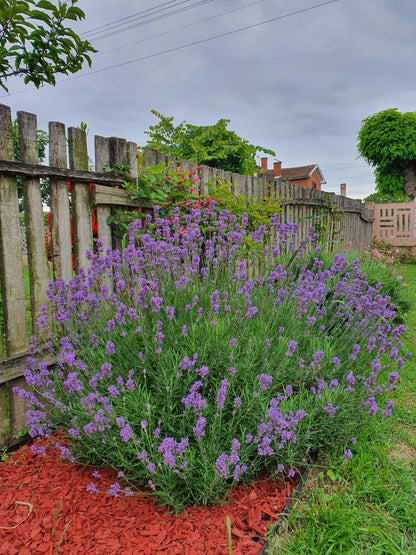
188,368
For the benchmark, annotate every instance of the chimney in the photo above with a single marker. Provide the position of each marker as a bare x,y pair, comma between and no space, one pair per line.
277,167
343,190
264,164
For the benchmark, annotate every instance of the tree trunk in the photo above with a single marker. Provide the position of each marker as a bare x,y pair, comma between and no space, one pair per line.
409,174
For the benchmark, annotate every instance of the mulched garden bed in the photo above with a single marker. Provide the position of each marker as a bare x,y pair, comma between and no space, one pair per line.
33,486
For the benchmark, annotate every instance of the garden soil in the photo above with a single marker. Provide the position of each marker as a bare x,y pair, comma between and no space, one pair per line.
44,505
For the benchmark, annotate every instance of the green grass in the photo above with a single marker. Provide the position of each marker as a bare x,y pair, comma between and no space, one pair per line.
366,505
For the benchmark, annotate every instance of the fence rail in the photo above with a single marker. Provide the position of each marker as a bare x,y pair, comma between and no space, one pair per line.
349,224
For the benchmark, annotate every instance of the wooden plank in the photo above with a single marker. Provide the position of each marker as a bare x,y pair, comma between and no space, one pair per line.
102,158
59,201
11,258
81,215
37,170
152,157
11,271
118,151
39,276
107,196
132,160
14,366
204,175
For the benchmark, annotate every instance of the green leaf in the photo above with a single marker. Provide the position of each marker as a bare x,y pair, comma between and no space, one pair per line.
45,5
36,14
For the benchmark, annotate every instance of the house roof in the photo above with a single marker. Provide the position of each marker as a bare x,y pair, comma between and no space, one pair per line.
302,172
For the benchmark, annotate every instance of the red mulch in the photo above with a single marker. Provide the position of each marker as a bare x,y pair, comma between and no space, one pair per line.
32,486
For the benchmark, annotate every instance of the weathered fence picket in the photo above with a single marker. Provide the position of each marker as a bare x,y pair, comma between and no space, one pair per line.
299,205
81,210
61,246
12,283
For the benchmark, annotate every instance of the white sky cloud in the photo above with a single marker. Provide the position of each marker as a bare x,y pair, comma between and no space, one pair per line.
299,85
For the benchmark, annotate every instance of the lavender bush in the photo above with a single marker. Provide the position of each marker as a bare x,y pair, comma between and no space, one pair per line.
187,366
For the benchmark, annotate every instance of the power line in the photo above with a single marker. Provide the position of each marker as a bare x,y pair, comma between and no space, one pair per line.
101,53
201,41
142,23
128,17
349,167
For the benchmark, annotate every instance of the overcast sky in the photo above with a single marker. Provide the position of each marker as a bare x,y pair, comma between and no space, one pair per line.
295,76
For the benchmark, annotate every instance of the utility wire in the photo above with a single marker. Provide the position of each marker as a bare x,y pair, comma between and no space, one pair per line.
175,49
145,22
201,41
101,27
101,53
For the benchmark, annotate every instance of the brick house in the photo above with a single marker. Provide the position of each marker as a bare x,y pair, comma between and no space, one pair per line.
307,176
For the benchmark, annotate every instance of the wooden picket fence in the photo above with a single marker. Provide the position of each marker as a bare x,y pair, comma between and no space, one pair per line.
352,230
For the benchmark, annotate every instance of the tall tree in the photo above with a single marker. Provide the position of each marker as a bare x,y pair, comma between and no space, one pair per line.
387,141
35,43
212,145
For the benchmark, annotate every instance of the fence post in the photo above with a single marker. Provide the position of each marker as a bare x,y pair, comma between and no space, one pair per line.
35,228
60,214
81,214
12,282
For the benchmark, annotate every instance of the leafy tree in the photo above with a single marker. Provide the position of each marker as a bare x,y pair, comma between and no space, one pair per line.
35,43
387,141
211,145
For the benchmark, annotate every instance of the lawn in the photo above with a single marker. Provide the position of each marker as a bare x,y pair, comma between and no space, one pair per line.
367,504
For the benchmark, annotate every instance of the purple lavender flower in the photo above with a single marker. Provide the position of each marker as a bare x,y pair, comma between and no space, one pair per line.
222,392
355,351
237,403
333,384
265,381
126,433
199,428
113,391
155,303
387,411
109,348
331,410
170,312
291,348
91,488
347,454
221,465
